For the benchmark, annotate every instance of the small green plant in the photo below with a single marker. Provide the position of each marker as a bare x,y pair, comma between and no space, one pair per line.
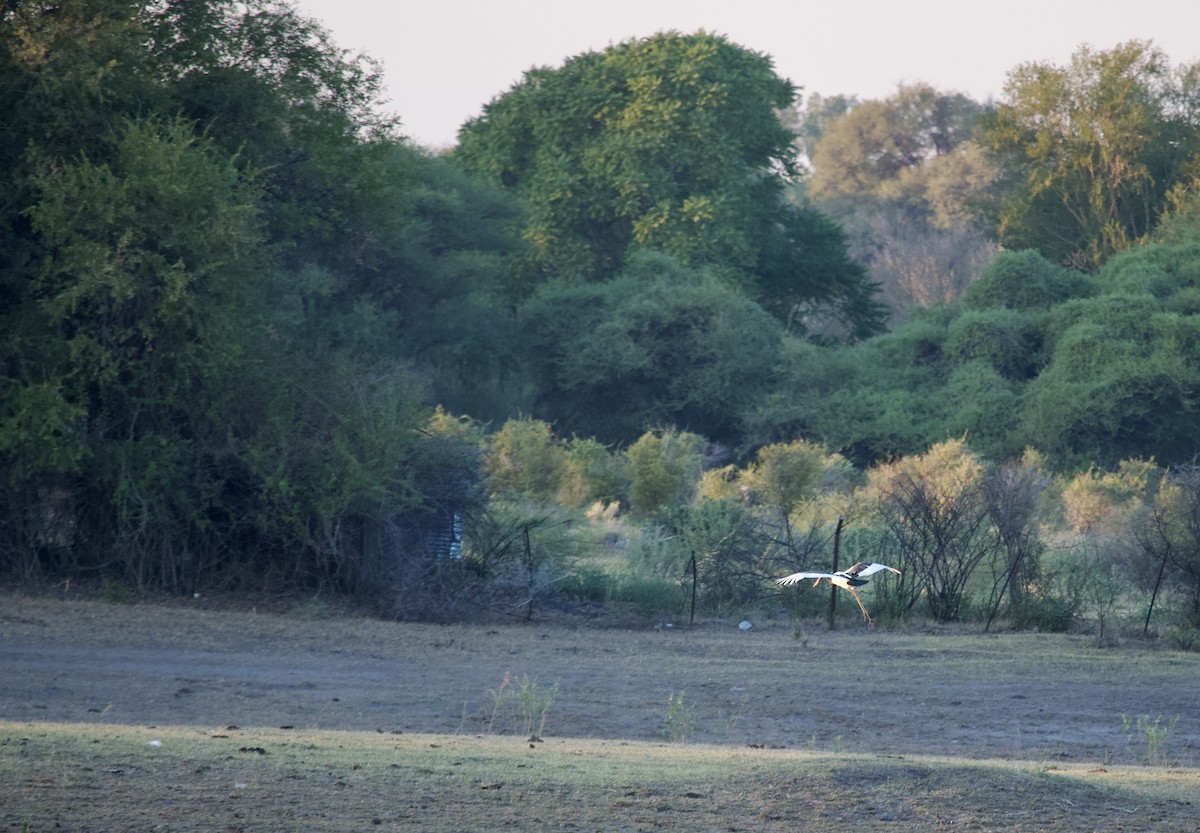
681,718
498,696
529,701
1152,734
533,703
812,743
115,592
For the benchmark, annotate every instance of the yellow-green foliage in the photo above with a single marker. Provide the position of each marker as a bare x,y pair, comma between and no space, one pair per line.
719,484
945,471
524,458
663,468
785,475
461,428
1096,498
591,474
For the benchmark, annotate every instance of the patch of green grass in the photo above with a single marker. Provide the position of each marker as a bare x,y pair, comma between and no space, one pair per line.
525,700
681,718
77,776
647,595
116,592
1148,738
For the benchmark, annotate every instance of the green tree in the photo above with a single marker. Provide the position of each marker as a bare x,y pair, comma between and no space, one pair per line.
901,174
198,261
780,483
664,468
660,344
890,398
71,72
984,405
1180,221
785,475
412,272
1025,280
593,474
934,506
332,456
670,143
1089,151
144,303
659,142
263,72
1120,379
525,458
1006,340
809,281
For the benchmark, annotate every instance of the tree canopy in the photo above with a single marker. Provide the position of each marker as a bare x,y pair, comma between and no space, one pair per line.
1089,151
208,245
251,336
658,345
902,175
670,143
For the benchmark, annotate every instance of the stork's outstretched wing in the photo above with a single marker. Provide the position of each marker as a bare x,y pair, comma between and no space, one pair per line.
798,577
862,569
845,579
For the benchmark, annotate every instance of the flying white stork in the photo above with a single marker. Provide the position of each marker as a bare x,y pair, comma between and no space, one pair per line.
847,579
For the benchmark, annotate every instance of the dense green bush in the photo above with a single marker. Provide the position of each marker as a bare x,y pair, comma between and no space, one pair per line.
1024,280
1007,340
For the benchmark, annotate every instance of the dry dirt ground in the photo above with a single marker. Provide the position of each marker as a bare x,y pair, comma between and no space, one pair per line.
924,691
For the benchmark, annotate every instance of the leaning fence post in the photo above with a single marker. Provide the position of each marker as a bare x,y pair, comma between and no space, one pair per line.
529,568
837,545
692,567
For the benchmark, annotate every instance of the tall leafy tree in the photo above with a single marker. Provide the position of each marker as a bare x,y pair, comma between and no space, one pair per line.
934,508
661,142
867,151
1090,150
393,251
670,143
143,300
901,175
208,245
671,345
269,84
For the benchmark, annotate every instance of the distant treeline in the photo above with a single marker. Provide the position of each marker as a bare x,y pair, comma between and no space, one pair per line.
241,315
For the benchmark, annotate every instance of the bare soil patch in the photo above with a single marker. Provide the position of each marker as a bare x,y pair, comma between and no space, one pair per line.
1019,696
148,717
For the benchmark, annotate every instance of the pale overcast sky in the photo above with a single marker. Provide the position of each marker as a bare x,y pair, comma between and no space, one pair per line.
444,59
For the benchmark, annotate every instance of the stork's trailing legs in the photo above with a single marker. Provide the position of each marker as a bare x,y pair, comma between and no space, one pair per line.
861,606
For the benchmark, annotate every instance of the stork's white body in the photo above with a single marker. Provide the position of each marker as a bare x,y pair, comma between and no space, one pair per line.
847,579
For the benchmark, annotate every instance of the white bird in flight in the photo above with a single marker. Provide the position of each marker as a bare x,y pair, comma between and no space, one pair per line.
847,579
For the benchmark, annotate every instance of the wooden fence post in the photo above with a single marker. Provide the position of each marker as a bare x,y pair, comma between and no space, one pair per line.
837,544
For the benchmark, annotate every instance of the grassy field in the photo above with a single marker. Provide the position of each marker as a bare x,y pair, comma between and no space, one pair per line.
75,777
146,718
